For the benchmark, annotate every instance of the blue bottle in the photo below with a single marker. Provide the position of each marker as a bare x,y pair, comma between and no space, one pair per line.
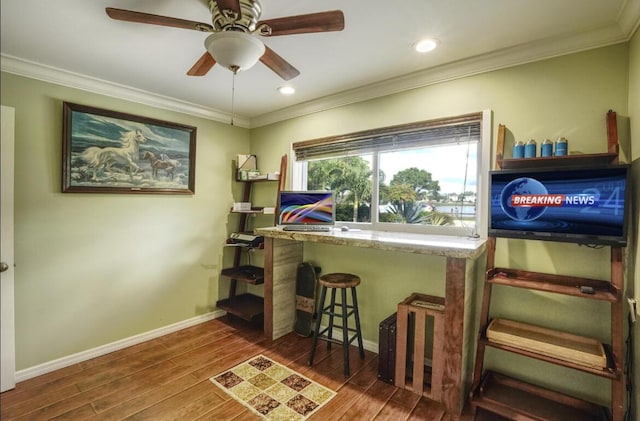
530,149
518,149
561,146
546,149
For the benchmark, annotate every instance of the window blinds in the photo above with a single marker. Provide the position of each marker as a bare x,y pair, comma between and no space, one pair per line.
427,133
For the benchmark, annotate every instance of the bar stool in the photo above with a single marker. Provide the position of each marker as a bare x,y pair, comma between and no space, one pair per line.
336,281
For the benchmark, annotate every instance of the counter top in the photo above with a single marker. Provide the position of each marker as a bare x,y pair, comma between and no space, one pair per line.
439,245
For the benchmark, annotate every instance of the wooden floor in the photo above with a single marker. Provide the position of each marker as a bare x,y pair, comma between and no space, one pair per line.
168,379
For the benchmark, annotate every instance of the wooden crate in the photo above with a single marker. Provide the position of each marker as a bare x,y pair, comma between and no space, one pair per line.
561,345
420,306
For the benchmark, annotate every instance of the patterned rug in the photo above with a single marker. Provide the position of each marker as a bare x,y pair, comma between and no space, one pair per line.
272,390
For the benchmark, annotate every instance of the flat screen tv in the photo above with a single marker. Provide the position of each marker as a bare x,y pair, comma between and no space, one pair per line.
585,206
306,208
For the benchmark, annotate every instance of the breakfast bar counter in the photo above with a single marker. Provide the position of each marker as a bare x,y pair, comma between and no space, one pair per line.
284,252
439,245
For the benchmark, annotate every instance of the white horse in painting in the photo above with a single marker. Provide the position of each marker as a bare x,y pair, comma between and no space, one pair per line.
164,157
127,155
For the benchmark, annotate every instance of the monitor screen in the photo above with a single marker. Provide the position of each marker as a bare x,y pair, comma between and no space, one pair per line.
306,207
586,205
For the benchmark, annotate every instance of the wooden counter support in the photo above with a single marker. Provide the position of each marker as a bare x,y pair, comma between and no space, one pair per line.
452,382
281,261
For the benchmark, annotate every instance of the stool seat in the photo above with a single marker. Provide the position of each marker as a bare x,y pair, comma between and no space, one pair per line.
341,310
339,280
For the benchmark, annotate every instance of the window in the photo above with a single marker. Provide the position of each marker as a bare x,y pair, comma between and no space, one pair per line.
420,177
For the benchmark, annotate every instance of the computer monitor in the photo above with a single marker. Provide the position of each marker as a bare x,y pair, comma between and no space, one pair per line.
311,207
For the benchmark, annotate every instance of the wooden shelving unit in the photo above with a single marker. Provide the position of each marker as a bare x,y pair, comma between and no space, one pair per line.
248,306
514,399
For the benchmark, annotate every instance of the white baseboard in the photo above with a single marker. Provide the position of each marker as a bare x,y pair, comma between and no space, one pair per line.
59,363
63,362
367,345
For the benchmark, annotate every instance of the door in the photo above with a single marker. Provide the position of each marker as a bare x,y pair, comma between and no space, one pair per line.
7,325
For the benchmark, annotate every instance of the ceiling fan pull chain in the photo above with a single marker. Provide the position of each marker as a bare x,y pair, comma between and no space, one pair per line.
234,69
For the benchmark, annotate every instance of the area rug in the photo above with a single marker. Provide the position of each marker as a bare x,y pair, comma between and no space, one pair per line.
272,390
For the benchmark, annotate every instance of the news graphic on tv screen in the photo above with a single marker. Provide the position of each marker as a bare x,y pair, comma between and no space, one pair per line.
584,206
306,207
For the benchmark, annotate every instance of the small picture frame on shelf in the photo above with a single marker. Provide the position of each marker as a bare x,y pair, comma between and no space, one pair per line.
245,165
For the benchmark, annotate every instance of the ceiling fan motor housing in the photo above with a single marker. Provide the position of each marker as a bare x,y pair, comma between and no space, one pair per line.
228,20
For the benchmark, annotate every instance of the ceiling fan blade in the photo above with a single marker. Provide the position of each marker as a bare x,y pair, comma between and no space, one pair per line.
279,65
233,5
139,17
202,66
302,24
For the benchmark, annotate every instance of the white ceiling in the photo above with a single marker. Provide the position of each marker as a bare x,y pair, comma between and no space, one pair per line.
73,42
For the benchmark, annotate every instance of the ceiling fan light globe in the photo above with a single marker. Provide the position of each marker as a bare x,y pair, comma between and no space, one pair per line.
234,50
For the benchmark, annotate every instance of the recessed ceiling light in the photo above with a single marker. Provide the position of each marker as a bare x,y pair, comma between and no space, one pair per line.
426,45
287,90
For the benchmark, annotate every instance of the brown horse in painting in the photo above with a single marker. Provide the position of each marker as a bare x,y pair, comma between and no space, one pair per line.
168,165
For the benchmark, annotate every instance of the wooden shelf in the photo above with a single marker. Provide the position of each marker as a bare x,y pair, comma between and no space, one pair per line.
246,306
609,373
256,210
257,180
515,399
245,246
483,415
554,347
559,284
568,161
249,274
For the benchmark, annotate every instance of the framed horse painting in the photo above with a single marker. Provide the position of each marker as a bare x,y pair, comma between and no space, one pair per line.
111,152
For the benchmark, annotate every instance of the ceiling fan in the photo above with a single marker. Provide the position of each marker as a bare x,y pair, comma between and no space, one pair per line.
233,42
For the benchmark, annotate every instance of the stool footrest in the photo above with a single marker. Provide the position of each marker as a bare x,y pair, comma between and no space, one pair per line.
338,305
341,327
331,313
322,337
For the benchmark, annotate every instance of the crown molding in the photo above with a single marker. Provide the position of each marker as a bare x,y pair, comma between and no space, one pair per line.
30,69
629,17
509,57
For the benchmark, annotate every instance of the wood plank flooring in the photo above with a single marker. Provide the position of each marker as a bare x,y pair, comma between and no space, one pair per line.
167,378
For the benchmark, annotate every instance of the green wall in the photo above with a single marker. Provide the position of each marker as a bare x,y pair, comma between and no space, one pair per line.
92,269
566,96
